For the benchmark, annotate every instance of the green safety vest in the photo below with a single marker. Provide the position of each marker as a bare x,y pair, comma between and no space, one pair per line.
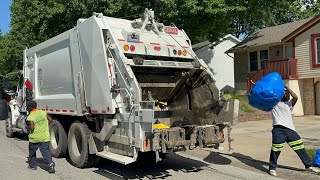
41,127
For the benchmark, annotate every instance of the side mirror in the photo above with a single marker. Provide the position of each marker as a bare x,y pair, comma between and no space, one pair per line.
3,109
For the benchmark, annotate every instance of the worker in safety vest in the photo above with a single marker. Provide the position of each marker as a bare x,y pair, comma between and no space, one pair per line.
38,123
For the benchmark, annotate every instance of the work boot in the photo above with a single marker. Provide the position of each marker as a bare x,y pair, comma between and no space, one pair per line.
313,169
32,168
51,168
273,172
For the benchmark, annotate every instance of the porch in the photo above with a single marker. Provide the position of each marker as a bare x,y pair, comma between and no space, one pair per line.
287,68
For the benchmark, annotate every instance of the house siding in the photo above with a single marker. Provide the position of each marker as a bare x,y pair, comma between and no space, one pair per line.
303,54
308,93
221,64
276,52
297,86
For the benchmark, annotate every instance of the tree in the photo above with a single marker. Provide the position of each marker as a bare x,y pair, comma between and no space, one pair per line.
34,21
311,8
10,60
201,19
260,14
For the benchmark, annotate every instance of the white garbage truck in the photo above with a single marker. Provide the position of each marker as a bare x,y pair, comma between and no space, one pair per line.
118,88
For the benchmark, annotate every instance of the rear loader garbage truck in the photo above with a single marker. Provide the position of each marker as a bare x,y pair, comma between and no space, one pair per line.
118,88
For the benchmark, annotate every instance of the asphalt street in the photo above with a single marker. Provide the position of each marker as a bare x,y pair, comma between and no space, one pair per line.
13,155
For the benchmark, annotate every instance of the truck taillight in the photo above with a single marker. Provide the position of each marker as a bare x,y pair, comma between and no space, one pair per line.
184,52
179,52
132,48
157,48
126,47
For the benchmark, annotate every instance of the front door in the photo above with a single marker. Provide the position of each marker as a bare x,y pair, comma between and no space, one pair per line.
288,51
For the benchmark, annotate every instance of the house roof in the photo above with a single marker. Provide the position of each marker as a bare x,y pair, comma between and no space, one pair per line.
200,45
269,35
203,44
315,20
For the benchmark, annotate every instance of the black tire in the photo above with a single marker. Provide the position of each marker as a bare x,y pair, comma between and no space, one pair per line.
9,130
59,140
97,161
78,147
163,155
4,111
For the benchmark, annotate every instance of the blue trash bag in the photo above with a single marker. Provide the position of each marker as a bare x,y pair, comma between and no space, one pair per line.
316,160
267,92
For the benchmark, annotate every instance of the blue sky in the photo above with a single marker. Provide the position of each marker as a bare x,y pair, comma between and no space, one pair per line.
5,15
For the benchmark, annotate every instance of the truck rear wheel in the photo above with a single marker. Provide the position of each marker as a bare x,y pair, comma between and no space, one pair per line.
59,139
78,145
9,130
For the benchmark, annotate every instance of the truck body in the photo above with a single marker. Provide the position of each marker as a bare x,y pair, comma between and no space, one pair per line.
118,88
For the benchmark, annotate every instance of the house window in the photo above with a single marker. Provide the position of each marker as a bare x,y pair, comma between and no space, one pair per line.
257,59
253,61
318,50
315,50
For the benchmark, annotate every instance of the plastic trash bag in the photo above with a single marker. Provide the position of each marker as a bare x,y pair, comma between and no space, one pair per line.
267,92
316,160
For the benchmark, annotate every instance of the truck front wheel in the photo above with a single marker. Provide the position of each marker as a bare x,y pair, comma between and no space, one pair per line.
9,130
78,145
59,139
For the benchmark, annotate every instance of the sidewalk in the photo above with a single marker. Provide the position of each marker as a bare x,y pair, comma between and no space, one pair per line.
252,144
254,139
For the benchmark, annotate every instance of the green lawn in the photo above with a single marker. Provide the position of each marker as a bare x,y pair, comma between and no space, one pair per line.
244,103
311,153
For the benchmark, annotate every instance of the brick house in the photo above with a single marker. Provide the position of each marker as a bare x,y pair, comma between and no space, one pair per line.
293,50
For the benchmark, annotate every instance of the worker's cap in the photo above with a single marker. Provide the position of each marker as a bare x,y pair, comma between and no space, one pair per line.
32,104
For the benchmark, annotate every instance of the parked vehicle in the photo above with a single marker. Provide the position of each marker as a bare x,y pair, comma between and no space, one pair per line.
118,88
